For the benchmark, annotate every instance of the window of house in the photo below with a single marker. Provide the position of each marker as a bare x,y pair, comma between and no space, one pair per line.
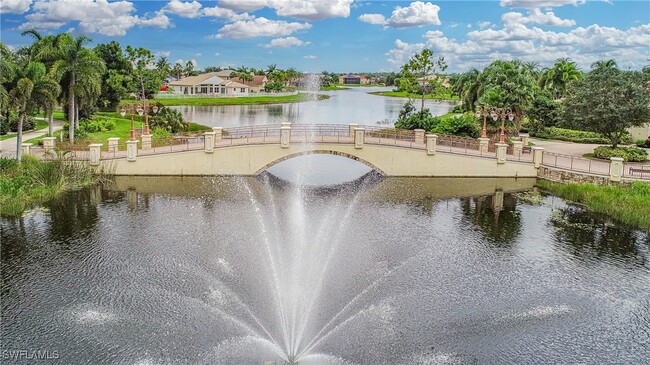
243,90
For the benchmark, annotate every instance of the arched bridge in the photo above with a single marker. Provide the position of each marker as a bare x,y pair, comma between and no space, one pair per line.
251,150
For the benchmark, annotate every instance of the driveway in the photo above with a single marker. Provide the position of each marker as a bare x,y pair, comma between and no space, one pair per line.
8,146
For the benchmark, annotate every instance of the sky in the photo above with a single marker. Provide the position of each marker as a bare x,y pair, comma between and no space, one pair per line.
349,35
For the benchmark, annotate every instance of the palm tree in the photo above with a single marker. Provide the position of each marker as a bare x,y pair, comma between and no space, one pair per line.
32,88
243,74
163,66
177,71
189,68
7,75
468,87
557,78
80,65
270,68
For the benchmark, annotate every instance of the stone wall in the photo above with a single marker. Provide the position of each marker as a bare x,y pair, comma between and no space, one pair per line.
565,176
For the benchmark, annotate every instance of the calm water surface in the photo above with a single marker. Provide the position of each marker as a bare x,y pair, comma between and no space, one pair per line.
376,271
353,105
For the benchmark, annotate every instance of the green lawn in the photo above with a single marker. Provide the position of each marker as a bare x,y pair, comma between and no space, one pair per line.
404,94
235,101
333,88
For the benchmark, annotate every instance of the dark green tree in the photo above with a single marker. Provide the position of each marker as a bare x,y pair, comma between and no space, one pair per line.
608,101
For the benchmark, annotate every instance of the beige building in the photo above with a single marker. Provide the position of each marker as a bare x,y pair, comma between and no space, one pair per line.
641,132
257,84
209,84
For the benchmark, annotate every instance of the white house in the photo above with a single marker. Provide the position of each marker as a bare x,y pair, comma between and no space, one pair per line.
641,132
208,84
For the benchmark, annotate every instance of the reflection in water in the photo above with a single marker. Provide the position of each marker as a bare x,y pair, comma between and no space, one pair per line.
496,215
177,271
592,237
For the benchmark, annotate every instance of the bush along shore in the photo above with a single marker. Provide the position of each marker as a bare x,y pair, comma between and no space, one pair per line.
32,182
629,204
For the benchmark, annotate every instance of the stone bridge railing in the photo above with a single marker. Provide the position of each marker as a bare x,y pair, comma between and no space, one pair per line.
286,134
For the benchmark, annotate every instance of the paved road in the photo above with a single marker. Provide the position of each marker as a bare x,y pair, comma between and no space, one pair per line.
567,148
8,146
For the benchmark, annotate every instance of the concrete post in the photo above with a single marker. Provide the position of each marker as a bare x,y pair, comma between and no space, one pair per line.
218,135
497,201
113,143
352,127
524,138
27,147
501,152
285,124
208,142
483,144
131,150
538,156
48,144
419,136
517,147
359,134
285,136
95,153
146,141
432,141
615,169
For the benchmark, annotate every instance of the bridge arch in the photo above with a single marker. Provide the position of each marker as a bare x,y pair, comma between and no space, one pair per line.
321,152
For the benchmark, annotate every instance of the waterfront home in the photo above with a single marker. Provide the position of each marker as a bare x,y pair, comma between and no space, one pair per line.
257,84
209,84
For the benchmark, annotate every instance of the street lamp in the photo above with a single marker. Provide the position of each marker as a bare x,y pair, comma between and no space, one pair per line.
483,111
503,113
132,109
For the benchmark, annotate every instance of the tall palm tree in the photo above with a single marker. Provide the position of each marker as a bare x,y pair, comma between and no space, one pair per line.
557,78
163,66
189,68
177,71
468,87
243,74
270,68
80,65
33,87
7,75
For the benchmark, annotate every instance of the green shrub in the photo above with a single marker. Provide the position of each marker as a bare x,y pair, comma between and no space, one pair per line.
572,135
457,125
460,108
643,143
161,137
627,153
96,125
169,119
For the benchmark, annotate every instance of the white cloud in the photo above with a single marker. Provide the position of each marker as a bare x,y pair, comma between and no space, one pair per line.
531,4
182,62
310,57
536,16
217,54
259,27
14,6
484,25
226,14
285,43
416,14
301,9
94,16
198,54
184,9
160,20
582,45
377,19
162,54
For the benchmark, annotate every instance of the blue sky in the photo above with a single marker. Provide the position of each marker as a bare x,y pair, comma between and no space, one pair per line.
349,35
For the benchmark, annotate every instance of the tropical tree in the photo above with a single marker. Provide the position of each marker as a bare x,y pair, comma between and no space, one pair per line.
416,73
608,100
292,76
189,68
270,68
7,75
32,88
243,74
116,81
556,79
467,86
163,66
147,79
177,70
75,64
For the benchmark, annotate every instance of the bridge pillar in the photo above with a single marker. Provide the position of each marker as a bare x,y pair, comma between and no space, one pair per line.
131,150
95,153
497,201
517,147
352,127
615,169
48,144
359,134
483,144
285,136
501,152
285,124
218,135
146,141
208,142
27,147
432,141
419,136
113,143
538,156
524,138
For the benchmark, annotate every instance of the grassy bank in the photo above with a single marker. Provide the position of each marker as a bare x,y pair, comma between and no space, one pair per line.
33,182
333,88
248,100
360,85
404,94
629,205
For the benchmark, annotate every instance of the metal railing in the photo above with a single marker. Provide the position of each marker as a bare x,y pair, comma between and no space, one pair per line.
578,164
636,171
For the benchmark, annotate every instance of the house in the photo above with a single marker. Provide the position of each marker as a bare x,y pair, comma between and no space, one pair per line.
225,74
209,84
257,84
434,78
350,79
